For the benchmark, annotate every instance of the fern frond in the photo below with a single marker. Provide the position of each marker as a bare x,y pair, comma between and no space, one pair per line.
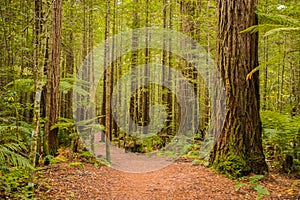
63,124
284,29
261,28
278,19
263,65
66,84
22,84
9,156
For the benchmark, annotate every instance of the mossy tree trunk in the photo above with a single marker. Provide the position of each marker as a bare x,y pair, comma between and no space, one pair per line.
238,150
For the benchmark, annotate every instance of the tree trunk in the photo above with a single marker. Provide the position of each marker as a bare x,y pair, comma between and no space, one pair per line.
53,77
108,84
238,151
38,67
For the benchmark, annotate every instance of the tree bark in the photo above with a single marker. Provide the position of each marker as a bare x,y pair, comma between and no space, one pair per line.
108,85
53,77
238,151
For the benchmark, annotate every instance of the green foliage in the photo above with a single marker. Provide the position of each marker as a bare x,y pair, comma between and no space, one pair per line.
261,191
76,164
169,154
66,84
239,185
197,162
277,18
233,166
49,159
15,138
286,16
10,149
101,161
281,135
255,179
14,183
254,183
86,154
274,24
89,157
66,130
22,85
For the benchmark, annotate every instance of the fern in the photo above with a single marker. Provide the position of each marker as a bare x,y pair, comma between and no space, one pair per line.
281,132
261,191
274,23
10,157
63,124
66,84
277,19
261,28
283,29
263,65
11,148
23,85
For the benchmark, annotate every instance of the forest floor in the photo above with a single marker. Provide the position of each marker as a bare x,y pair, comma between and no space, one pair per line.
178,180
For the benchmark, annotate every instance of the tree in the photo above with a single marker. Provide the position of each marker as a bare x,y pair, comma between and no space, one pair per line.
108,84
238,150
53,78
38,67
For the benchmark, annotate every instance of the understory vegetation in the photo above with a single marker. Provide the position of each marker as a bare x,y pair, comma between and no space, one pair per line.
27,122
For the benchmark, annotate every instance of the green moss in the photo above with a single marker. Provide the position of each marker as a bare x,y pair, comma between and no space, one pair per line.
233,166
86,154
76,164
101,162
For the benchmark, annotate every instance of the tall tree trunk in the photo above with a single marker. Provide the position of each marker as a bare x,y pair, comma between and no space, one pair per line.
52,85
134,74
238,150
38,67
188,27
145,95
265,86
108,84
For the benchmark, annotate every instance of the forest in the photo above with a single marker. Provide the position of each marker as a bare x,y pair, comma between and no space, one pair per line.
140,99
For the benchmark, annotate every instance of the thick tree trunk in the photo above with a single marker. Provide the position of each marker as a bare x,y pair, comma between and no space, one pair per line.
53,77
238,150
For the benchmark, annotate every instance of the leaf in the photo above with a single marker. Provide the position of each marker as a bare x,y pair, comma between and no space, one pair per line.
239,185
263,65
261,191
277,19
284,29
256,178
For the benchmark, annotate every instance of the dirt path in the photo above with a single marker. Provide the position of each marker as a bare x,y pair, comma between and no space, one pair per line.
180,180
133,162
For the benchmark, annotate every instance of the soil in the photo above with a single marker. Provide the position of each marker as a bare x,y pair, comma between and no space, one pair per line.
177,180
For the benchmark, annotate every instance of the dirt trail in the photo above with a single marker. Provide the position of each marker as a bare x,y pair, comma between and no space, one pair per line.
179,180
133,162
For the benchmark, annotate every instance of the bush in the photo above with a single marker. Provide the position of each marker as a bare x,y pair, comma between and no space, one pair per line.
14,183
281,136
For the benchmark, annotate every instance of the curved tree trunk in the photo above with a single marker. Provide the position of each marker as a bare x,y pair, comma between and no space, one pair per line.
238,150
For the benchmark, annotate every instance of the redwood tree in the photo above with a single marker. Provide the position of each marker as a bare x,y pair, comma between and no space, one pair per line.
238,150
53,77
